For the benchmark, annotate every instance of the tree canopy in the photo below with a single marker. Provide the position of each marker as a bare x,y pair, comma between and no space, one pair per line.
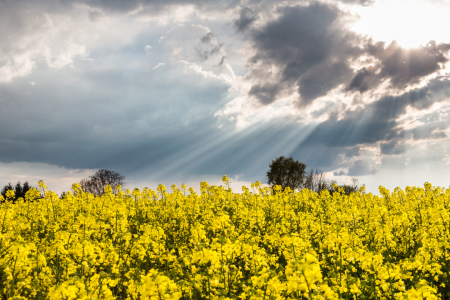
19,189
286,172
291,173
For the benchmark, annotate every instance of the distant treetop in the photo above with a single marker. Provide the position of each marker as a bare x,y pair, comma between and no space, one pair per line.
286,172
96,183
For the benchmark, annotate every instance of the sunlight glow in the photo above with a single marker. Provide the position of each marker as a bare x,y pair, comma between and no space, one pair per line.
410,22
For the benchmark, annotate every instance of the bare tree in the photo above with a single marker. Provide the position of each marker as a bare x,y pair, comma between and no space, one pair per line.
315,181
346,188
96,183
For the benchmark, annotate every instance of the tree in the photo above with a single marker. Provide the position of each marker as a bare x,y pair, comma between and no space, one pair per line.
19,189
7,188
315,181
96,183
348,189
25,188
286,172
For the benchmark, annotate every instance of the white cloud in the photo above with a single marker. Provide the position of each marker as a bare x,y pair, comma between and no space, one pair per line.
58,37
158,65
228,78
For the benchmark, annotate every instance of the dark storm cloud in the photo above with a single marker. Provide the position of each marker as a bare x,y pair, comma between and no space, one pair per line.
309,47
318,81
301,36
312,53
246,18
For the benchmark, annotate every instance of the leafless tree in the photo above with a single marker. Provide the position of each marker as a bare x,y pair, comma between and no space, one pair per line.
315,181
96,183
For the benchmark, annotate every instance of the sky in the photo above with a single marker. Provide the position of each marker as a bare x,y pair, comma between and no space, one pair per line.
183,91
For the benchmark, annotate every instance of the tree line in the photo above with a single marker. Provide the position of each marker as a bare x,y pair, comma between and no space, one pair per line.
95,184
19,189
291,173
283,171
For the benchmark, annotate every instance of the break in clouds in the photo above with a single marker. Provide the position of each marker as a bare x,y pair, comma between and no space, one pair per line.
179,89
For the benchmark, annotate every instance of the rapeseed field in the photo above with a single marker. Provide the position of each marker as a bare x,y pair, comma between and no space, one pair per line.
255,244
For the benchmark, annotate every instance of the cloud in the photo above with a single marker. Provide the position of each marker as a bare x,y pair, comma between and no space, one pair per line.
383,125
94,16
308,51
222,61
321,79
158,65
104,128
405,66
292,72
431,130
352,152
207,46
246,18
393,147
54,33
361,2
364,80
379,120
305,50
154,7
401,67
266,94
340,173
361,167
